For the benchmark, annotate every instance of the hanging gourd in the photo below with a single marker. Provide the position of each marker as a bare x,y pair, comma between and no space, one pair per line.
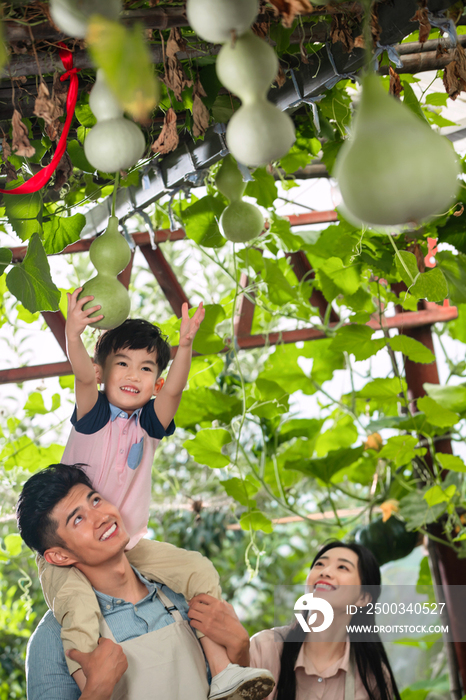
114,143
72,16
110,254
394,170
215,20
240,221
259,132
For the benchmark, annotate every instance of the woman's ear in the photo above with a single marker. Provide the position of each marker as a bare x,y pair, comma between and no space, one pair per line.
59,557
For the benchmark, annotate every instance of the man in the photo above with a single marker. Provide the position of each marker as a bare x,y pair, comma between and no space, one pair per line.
158,656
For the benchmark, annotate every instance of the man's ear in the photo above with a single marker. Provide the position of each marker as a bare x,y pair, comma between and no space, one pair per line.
59,557
98,372
158,385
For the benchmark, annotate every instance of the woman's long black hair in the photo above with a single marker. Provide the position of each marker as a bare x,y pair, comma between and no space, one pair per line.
369,653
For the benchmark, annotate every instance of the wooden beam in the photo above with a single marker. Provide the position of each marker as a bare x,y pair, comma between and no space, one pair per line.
166,278
245,311
56,322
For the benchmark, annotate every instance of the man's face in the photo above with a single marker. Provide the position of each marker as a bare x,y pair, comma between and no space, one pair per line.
90,527
130,378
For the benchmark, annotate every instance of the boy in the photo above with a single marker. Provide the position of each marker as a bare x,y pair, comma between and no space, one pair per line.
114,437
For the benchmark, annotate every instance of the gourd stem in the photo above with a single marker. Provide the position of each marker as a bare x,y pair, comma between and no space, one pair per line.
367,34
115,190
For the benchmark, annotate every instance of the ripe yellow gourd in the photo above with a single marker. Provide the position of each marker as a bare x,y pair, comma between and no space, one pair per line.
110,254
114,143
259,132
394,170
72,16
240,221
215,20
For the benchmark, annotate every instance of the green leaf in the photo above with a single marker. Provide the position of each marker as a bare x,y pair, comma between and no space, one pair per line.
357,340
436,495
336,278
35,404
295,159
255,520
5,259
263,188
61,231
411,101
201,405
24,212
206,448
413,349
454,269
13,544
207,341
282,367
78,158
325,467
3,51
299,427
279,289
204,371
437,414
84,114
383,389
30,281
125,59
451,397
413,510
201,221
242,490
224,107
67,382
401,449
438,99
211,85
451,462
275,396
25,315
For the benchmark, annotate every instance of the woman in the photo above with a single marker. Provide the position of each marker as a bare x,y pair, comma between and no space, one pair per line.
332,664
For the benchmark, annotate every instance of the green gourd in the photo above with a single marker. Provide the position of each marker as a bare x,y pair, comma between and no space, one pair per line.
110,254
388,541
394,170
240,221
72,16
215,20
114,143
259,132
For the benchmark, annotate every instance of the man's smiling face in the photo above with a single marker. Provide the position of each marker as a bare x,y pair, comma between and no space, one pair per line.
90,527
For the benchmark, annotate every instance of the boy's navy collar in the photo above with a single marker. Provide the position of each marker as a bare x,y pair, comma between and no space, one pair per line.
116,412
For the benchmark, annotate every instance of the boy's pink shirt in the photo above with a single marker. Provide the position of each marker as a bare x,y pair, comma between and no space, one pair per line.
105,454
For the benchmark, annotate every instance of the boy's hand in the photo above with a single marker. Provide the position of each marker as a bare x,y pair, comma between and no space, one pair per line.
190,326
77,319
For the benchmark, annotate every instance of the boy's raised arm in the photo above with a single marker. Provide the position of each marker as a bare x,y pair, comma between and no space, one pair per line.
85,380
169,397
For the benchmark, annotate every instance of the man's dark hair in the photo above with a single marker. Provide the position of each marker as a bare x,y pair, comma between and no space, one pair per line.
39,496
134,334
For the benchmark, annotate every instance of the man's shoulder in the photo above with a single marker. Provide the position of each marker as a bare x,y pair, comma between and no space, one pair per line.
46,669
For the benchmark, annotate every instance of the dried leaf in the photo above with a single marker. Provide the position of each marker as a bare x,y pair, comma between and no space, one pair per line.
168,138
281,77
46,107
376,29
201,116
454,75
261,29
359,42
341,31
288,9
442,50
175,78
459,212
63,172
425,26
395,83
20,141
8,168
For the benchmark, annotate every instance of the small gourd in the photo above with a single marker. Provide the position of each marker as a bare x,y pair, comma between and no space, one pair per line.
110,254
72,16
240,221
259,132
114,143
394,170
215,20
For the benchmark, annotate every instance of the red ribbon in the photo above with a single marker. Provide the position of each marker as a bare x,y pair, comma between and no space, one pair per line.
35,183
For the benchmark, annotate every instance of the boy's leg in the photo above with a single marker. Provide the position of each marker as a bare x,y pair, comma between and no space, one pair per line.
185,572
70,597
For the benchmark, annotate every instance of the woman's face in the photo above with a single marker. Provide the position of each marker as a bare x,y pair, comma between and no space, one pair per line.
335,577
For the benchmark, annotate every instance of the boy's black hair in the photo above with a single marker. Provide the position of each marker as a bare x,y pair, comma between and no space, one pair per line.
39,496
134,334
